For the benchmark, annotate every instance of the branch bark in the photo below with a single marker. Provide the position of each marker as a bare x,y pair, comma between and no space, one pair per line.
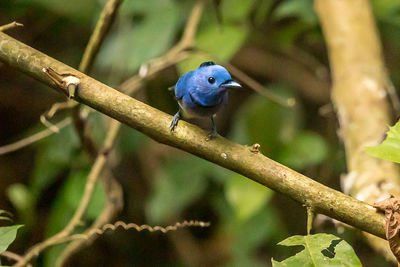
190,138
360,97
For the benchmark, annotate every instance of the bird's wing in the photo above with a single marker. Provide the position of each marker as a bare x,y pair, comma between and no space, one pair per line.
182,85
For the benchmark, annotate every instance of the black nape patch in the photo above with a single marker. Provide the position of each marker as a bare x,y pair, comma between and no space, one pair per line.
208,63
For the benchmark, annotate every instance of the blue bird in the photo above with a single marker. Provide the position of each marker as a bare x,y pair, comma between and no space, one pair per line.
202,92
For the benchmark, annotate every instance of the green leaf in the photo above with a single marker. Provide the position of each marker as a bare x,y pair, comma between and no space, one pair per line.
307,148
390,147
245,196
319,250
7,236
180,182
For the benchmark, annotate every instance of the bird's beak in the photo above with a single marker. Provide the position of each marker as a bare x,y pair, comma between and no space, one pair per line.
230,84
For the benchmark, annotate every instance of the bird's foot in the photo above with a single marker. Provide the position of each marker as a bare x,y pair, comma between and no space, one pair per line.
211,135
174,121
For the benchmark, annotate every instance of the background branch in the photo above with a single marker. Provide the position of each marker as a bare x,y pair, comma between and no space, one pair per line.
10,26
360,97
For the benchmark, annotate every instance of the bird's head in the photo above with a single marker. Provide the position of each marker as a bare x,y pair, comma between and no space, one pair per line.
215,77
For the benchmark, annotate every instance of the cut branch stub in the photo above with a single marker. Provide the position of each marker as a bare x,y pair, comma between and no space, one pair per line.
67,81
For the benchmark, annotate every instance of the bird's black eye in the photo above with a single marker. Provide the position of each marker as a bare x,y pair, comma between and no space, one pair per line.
211,80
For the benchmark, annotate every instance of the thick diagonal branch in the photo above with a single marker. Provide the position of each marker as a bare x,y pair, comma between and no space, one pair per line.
187,137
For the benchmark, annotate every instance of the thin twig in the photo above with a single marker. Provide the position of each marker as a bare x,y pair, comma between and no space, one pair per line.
89,187
114,204
10,26
100,32
253,84
123,225
13,256
48,124
102,27
139,228
104,23
93,175
189,33
33,138
59,106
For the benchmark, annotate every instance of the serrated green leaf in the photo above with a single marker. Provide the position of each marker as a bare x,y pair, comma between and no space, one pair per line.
245,196
319,250
390,147
7,236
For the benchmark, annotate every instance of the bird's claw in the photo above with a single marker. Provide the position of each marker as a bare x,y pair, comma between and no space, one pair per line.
212,134
175,121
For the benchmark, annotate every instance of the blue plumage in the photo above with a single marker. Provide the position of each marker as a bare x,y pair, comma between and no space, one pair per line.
202,92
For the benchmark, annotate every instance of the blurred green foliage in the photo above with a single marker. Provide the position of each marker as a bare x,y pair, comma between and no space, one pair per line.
173,186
